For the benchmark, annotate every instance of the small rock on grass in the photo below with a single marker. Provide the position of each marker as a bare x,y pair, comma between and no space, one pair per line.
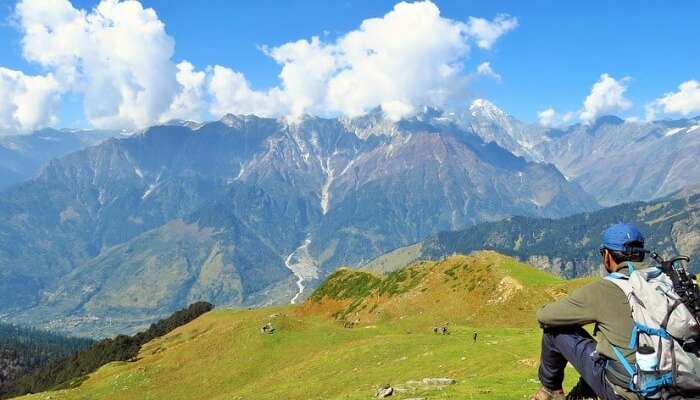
384,391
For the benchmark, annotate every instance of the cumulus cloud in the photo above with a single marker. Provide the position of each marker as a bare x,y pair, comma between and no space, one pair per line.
187,104
551,119
307,67
411,56
685,101
27,102
120,58
232,94
607,96
547,117
118,55
486,70
487,32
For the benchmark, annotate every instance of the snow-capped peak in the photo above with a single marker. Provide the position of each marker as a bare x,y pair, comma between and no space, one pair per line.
485,109
230,120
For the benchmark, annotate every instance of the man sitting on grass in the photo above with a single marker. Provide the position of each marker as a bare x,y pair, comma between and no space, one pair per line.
601,303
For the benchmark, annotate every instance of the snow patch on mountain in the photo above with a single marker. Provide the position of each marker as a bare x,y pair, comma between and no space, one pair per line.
482,108
329,173
151,188
673,131
495,125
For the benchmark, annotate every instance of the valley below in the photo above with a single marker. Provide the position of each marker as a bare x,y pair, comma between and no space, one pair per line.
249,211
358,331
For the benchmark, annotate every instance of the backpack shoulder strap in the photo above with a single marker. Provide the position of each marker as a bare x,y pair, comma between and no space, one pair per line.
616,275
621,281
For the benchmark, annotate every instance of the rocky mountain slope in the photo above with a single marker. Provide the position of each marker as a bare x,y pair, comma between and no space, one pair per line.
495,125
22,156
253,211
615,161
618,161
567,246
357,332
246,211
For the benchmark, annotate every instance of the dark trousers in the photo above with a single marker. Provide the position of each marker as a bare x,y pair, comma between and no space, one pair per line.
574,345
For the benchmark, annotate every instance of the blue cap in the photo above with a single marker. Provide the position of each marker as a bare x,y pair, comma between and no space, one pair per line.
617,235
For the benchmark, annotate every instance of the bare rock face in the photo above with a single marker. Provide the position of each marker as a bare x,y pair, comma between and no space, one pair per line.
22,156
569,247
662,154
271,206
686,235
506,290
561,266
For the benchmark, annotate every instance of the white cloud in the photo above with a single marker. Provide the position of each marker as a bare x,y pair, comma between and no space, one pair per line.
27,102
487,32
607,96
547,117
650,111
119,57
685,101
232,94
395,109
411,56
307,67
486,70
551,119
187,105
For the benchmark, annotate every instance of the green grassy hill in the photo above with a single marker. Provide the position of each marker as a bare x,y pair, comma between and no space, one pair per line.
313,354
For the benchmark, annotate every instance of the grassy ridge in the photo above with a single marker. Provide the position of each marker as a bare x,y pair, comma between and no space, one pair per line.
311,355
487,289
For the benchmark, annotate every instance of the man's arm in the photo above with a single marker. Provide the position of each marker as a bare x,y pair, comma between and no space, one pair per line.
579,308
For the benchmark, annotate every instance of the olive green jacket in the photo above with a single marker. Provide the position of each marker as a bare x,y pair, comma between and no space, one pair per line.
601,303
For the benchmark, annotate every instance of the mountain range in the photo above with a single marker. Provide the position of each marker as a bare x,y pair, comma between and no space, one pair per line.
567,246
23,156
250,211
614,160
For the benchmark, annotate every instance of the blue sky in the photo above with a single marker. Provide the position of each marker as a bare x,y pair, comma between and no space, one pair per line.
557,52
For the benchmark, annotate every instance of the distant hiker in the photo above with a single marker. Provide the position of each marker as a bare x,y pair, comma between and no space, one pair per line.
476,334
352,324
604,304
267,328
442,330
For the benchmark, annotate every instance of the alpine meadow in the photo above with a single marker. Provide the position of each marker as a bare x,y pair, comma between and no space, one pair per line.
311,200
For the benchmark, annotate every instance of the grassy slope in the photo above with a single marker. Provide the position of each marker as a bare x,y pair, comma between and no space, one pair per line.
223,355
